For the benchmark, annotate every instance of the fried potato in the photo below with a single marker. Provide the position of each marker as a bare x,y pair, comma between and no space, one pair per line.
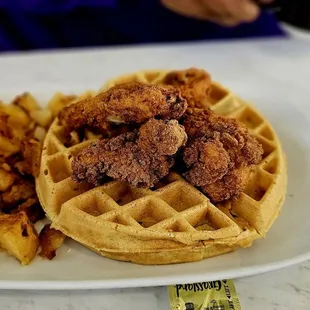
7,147
86,95
9,140
31,153
42,117
17,116
18,237
32,208
50,240
6,179
39,133
21,190
74,138
26,102
59,101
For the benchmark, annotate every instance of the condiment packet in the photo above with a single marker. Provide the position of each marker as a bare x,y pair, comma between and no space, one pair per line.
212,295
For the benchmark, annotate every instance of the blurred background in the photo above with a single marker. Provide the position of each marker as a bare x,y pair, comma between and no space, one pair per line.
49,24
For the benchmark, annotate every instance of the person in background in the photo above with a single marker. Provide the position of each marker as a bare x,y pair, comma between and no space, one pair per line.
48,24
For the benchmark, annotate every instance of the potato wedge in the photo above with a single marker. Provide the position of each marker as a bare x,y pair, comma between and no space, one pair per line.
6,179
17,116
58,101
26,102
42,117
21,190
50,240
31,152
39,133
32,208
18,237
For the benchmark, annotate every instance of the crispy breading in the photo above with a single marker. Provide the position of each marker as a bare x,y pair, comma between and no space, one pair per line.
161,138
124,103
231,184
50,240
242,148
224,179
18,237
140,162
194,84
206,160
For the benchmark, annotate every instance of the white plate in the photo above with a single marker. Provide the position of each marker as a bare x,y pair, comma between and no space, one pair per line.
274,75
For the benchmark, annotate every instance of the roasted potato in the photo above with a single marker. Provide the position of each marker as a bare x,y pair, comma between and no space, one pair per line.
32,208
7,178
18,237
58,101
39,133
17,117
42,117
21,190
9,143
26,102
31,153
50,240
86,95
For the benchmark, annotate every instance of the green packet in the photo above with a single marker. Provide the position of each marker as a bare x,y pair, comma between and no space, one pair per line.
212,295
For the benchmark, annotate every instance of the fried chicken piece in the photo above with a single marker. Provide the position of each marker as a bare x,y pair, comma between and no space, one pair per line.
194,84
243,149
206,160
220,154
124,103
141,157
231,184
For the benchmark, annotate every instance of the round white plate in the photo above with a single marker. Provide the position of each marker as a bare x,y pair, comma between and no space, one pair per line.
274,75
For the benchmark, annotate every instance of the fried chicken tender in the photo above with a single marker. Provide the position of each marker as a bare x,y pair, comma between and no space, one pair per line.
124,103
207,160
231,184
243,149
141,157
219,154
194,84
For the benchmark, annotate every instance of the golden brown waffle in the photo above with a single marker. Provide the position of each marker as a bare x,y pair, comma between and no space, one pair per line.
175,222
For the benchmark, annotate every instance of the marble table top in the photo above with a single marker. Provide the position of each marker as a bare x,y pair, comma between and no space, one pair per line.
287,288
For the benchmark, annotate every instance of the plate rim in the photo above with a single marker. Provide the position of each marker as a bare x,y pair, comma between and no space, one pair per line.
234,273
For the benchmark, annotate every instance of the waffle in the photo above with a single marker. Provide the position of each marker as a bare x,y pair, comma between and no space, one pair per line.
174,222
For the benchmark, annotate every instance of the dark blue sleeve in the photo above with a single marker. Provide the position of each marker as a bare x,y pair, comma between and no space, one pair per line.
53,6
38,24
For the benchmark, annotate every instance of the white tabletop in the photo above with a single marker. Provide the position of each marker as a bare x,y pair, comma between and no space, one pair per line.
287,288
